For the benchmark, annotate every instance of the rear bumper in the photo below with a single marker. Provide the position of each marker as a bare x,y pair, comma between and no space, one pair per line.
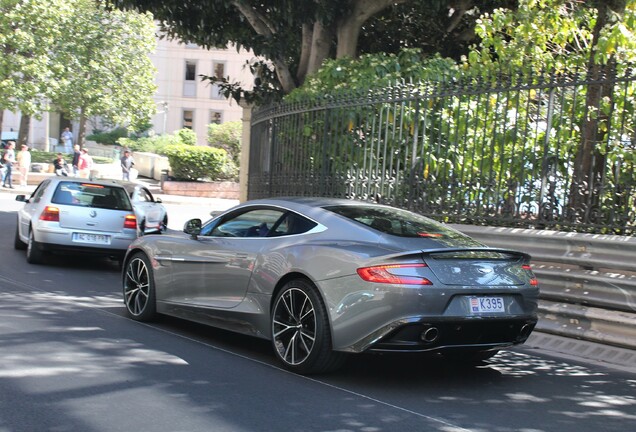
434,336
427,335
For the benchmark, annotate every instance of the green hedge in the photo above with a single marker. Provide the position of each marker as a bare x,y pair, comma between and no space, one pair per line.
194,163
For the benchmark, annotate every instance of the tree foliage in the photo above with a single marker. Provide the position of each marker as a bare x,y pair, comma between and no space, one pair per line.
295,37
105,68
77,56
28,67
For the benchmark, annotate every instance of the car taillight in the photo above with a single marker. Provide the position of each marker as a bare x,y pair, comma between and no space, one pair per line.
382,274
50,214
130,221
533,279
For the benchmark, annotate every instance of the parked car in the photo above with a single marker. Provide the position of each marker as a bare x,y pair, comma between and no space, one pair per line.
152,216
67,214
322,278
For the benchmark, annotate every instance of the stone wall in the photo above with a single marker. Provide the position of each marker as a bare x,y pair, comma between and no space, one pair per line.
227,190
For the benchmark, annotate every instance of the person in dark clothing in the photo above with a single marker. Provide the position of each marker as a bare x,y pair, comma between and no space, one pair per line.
60,165
76,157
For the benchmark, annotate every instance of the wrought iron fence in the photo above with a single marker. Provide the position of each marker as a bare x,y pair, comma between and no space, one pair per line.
548,150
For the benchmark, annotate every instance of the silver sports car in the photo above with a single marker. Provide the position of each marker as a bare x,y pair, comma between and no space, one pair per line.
321,278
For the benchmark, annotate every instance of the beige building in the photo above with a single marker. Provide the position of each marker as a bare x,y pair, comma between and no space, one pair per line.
186,102
182,99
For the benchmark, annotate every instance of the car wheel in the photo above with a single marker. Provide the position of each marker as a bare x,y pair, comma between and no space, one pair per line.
139,288
142,228
34,251
17,242
164,224
300,330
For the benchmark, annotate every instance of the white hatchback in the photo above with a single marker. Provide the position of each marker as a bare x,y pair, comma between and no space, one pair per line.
66,214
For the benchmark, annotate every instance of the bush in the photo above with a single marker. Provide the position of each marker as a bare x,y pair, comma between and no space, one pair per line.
187,136
155,144
194,163
108,138
228,137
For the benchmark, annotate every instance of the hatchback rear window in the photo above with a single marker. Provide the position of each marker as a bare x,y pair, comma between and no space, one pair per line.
395,221
91,195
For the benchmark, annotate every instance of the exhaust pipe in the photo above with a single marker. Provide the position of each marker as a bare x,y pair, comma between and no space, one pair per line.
430,335
525,331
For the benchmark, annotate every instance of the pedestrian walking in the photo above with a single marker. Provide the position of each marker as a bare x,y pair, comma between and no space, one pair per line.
85,164
24,164
76,157
8,159
127,163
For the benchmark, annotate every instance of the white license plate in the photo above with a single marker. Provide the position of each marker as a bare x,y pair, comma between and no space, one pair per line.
91,238
486,304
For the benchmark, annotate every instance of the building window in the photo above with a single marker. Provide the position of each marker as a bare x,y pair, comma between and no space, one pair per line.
190,70
216,117
190,84
188,119
218,71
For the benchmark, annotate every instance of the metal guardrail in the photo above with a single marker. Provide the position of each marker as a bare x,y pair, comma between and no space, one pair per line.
587,282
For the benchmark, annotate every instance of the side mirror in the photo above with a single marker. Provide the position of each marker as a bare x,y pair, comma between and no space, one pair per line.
21,198
192,227
158,200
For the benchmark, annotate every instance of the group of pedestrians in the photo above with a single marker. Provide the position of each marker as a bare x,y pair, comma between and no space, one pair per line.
81,165
10,161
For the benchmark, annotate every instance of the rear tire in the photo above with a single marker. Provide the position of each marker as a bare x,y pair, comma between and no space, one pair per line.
17,242
139,288
34,253
300,330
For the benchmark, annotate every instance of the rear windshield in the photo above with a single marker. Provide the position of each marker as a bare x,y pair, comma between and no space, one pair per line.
395,221
91,195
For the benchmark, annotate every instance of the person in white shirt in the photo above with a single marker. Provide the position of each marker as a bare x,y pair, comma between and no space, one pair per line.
24,164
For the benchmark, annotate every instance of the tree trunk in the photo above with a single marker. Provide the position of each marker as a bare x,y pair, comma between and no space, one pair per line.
349,26
81,133
589,162
25,125
305,51
322,38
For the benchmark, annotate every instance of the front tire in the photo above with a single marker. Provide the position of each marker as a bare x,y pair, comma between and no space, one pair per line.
139,288
34,253
300,330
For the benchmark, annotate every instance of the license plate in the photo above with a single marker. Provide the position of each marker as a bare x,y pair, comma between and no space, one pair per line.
486,304
91,238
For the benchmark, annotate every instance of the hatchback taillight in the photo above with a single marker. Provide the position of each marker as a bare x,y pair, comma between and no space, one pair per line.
50,214
383,274
130,221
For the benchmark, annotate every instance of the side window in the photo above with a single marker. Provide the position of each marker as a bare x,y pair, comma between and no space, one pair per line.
143,196
292,223
252,223
37,194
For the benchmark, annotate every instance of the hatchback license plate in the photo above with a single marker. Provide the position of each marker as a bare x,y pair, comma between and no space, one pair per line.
91,238
486,304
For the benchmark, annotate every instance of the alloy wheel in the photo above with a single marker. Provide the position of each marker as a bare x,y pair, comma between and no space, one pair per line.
137,286
294,326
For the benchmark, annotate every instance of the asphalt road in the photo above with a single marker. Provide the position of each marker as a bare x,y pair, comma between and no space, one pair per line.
71,361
